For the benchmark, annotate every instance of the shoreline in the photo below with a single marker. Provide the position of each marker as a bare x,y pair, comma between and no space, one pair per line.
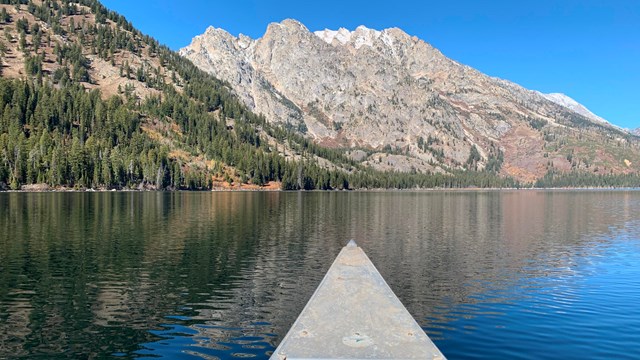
267,189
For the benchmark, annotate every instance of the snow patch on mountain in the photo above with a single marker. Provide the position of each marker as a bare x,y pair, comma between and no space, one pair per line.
360,37
342,35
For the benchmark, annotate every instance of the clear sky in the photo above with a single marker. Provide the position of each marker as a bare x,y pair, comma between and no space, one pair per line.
587,49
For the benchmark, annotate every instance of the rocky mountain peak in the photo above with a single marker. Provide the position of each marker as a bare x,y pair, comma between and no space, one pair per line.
212,32
214,37
294,24
341,35
287,27
361,36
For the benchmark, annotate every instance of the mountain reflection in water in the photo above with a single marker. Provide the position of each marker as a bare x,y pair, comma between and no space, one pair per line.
488,274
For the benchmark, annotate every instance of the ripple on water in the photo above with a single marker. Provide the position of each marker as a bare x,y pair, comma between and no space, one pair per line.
503,275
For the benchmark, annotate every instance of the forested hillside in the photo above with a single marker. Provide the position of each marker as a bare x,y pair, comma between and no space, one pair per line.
153,121
87,101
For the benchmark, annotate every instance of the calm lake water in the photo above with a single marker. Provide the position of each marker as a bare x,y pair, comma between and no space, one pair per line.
488,274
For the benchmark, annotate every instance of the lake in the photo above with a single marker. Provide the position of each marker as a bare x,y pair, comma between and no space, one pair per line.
488,274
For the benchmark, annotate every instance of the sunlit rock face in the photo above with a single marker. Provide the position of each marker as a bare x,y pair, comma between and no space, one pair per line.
400,99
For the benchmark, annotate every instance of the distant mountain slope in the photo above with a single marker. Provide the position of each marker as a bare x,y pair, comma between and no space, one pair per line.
400,104
571,104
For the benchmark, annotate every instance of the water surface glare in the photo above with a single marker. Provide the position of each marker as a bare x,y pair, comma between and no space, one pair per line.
487,274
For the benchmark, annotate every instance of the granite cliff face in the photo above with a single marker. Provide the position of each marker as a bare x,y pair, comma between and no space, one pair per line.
398,103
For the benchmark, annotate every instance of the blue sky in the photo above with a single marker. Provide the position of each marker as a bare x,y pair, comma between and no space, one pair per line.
587,49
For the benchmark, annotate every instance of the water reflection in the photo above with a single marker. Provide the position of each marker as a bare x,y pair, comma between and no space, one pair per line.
222,275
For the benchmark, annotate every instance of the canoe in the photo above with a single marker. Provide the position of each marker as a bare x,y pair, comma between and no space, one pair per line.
354,314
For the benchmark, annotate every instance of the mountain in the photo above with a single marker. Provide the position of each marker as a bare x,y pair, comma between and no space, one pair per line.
571,104
89,101
393,102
